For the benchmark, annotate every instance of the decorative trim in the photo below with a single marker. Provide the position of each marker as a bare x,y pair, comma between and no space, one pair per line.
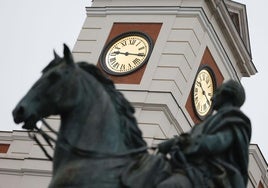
214,82
244,61
255,151
130,10
207,60
163,108
119,37
151,29
24,171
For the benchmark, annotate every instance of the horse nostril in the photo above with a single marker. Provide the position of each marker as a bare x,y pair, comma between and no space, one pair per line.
20,110
18,113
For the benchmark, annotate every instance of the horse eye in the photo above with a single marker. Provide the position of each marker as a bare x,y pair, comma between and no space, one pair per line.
54,76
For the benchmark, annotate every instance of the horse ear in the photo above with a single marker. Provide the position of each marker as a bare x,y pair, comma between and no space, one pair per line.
68,55
56,56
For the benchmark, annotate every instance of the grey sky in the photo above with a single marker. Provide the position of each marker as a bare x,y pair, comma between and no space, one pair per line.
31,29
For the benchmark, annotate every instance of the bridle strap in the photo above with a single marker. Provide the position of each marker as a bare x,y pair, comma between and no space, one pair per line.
33,136
96,154
49,127
66,145
49,140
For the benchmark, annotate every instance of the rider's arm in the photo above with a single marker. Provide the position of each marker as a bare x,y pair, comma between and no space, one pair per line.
216,143
211,144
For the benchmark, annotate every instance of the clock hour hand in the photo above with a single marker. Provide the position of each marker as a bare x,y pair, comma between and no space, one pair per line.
203,91
128,53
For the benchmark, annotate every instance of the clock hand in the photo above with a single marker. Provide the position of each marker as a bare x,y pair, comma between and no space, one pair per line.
138,54
203,92
127,53
117,52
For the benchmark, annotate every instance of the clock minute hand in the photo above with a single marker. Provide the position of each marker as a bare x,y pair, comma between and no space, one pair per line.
203,92
127,53
137,54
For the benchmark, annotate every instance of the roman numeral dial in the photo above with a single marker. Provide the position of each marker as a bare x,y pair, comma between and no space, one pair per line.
203,91
126,53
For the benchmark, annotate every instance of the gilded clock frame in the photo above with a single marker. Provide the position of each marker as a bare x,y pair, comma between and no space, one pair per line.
119,37
214,82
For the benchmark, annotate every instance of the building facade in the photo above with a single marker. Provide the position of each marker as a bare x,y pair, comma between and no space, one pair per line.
175,43
23,164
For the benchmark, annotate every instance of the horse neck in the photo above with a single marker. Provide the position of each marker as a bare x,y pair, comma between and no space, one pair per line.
94,124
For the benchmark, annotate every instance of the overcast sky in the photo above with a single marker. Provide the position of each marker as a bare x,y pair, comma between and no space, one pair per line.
31,29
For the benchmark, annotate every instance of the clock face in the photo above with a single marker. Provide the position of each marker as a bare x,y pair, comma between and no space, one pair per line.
126,53
203,91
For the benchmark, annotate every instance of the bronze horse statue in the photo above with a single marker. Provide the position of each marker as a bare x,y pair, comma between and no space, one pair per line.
99,144
98,137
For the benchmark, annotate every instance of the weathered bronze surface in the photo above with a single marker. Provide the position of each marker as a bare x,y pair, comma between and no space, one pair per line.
99,144
215,152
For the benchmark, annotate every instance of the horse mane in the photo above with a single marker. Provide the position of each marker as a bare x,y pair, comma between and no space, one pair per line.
133,136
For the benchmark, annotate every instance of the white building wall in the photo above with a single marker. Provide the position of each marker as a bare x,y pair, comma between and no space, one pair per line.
25,165
188,27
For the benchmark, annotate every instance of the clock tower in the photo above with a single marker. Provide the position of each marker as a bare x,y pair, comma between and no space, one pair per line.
167,57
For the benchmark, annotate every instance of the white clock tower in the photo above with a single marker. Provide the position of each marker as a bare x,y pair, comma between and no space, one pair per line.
155,51
188,38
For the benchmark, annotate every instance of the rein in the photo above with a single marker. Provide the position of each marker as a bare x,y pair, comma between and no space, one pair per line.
102,155
85,153
45,136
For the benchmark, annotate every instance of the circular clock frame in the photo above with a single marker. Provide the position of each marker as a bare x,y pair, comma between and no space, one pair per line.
136,50
202,92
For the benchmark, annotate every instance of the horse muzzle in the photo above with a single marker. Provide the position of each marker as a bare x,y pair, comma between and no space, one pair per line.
20,115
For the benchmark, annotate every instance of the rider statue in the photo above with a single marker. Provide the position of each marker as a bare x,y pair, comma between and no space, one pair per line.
215,152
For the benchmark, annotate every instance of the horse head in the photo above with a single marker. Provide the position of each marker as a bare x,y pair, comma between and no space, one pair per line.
52,94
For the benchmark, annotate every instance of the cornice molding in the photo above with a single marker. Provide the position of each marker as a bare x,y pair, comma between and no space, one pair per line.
255,151
132,10
217,7
25,171
163,108
243,53
240,10
14,135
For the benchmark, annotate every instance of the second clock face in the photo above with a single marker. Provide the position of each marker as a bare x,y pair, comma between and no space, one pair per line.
126,53
203,91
